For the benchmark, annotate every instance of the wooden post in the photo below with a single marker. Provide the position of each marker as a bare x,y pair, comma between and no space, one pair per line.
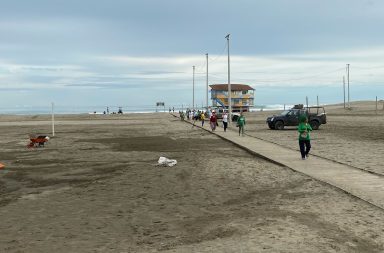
53,120
344,90
376,104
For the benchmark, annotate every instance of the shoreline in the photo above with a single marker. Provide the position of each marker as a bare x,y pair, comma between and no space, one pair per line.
257,108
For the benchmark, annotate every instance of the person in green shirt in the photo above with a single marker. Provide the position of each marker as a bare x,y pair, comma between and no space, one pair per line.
304,138
241,123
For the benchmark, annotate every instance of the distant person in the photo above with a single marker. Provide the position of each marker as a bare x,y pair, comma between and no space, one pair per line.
181,115
196,115
107,110
209,113
213,121
304,138
202,118
225,121
173,109
241,123
190,115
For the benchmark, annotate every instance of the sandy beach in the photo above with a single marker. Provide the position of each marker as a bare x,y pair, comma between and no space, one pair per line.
354,137
95,187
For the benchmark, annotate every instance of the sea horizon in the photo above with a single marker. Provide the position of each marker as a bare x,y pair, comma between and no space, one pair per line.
33,110
43,110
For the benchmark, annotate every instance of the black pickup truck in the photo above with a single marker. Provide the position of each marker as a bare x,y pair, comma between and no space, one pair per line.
316,116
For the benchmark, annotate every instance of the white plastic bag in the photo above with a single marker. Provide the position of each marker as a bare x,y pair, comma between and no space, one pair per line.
163,161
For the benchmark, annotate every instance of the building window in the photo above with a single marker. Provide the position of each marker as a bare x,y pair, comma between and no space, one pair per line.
236,93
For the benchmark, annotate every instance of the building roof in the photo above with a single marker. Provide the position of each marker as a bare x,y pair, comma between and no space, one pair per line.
234,87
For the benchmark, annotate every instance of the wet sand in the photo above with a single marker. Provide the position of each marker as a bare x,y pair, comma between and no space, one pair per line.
95,187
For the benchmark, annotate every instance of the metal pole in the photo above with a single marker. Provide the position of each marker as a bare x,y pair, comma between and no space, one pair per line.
344,89
229,84
207,84
306,99
193,89
53,120
376,104
317,100
349,105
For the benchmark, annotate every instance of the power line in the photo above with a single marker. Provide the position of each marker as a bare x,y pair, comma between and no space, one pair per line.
220,55
374,67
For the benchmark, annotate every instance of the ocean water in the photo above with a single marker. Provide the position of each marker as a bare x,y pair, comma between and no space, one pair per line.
34,110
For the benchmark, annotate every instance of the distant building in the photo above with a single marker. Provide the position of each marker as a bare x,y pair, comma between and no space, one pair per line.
242,96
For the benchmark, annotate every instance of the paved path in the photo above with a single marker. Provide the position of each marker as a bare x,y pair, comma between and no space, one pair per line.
362,184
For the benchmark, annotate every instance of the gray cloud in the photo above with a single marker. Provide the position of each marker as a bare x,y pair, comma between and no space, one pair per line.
151,45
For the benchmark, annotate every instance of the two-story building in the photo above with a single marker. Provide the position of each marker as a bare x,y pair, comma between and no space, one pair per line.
242,96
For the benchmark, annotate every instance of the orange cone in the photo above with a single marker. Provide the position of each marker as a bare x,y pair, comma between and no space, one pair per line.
2,166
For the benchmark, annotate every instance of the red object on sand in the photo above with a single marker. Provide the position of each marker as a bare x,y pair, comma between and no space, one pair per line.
2,166
37,141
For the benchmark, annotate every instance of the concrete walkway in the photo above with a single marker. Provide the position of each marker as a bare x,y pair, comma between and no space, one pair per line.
364,185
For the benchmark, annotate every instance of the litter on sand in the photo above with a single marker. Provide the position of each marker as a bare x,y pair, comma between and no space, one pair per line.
163,161
2,166
37,141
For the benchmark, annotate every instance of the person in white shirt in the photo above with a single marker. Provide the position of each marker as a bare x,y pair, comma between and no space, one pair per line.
190,115
225,121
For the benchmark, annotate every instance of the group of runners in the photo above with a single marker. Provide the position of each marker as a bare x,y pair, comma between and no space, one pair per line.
304,127
193,115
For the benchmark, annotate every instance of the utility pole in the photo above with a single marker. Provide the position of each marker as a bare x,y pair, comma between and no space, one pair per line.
193,89
229,84
349,105
344,89
207,84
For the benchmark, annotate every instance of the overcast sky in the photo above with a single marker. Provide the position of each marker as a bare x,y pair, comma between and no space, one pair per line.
125,52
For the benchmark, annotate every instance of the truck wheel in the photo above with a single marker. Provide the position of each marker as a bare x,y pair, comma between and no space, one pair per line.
314,124
235,117
279,125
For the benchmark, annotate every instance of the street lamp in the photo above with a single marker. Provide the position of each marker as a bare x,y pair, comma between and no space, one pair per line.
193,89
229,84
206,88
